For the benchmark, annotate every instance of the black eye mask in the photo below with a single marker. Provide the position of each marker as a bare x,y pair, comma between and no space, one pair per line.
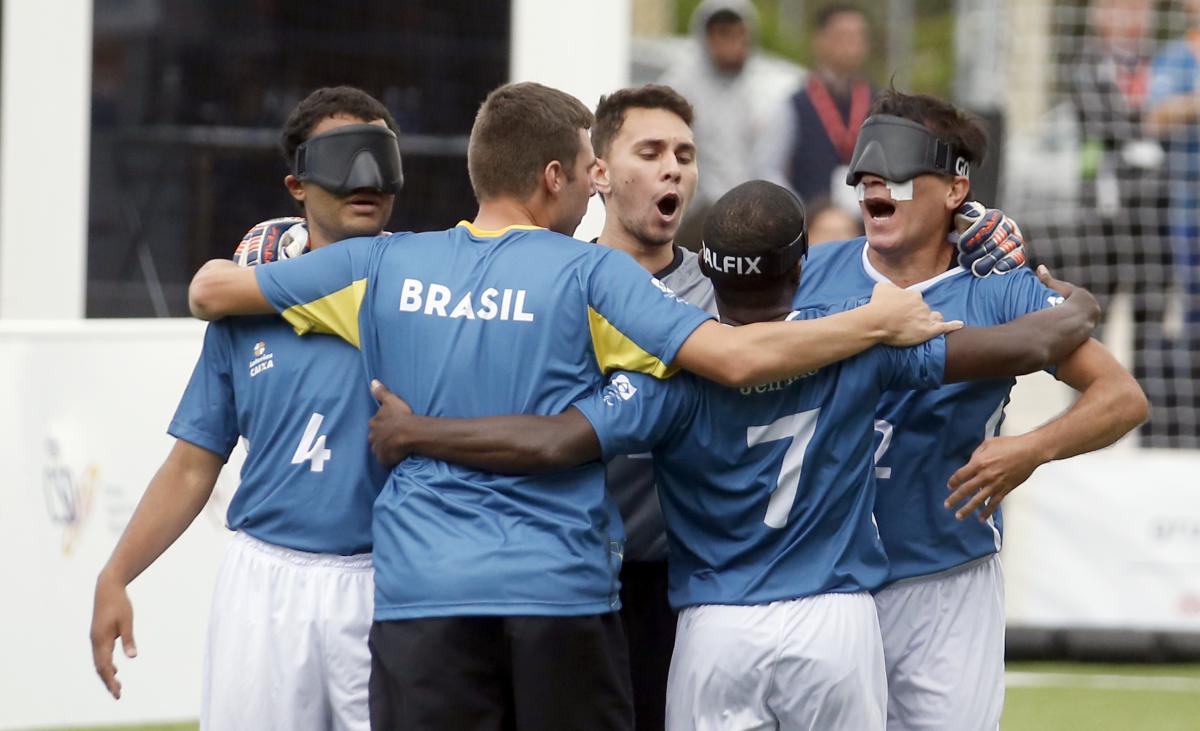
899,150
350,158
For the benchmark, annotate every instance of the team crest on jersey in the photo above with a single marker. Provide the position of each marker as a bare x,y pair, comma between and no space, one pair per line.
619,388
262,360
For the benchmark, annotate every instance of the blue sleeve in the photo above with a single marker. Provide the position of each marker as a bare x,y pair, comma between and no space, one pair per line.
637,323
207,413
634,412
919,367
323,290
1170,76
1020,294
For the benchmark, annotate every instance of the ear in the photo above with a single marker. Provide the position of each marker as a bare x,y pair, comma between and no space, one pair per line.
295,188
600,180
554,178
960,188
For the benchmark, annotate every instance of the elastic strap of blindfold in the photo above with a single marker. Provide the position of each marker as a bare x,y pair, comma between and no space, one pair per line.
749,268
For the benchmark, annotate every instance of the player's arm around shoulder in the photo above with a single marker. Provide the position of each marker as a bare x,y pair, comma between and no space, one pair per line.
1028,343
221,288
175,496
760,353
515,445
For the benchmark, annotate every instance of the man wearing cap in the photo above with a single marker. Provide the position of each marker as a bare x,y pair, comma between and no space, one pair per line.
766,490
941,610
287,641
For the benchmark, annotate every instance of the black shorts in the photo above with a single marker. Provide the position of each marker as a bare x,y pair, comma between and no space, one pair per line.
500,673
650,626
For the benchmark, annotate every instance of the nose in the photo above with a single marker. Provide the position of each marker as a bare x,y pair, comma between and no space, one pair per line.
671,169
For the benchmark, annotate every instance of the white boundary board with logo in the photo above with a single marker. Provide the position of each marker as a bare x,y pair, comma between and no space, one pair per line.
86,407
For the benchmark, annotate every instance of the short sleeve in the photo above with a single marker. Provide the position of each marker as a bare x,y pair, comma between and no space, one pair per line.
207,413
637,323
1020,294
919,367
323,290
634,412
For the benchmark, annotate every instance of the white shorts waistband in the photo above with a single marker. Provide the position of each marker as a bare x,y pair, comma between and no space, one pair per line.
356,562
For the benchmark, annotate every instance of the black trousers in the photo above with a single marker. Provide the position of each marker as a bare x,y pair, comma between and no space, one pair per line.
650,627
500,674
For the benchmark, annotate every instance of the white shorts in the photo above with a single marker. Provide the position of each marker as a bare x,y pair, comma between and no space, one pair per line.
287,640
814,663
943,642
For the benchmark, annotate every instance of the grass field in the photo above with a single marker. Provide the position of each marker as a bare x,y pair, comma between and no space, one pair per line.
1055,697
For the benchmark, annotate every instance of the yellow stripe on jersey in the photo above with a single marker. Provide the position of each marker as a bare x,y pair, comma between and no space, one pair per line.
484,233
333,314
616,352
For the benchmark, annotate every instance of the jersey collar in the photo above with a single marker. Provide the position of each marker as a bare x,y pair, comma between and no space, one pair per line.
878,276
483,233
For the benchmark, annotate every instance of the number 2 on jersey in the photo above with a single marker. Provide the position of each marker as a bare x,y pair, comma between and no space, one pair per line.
799,428
311,447
885,429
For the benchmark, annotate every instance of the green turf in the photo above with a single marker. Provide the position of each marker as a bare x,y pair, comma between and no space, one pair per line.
1066,708
1062,706
150,727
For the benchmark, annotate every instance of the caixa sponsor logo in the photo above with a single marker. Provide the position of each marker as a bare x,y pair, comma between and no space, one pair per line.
68,496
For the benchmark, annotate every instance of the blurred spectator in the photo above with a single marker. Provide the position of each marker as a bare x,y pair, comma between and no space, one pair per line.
1120,243
1173,114
718,80
827,222
810,137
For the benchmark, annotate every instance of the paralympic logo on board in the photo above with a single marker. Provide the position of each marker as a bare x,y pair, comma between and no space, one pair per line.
69,497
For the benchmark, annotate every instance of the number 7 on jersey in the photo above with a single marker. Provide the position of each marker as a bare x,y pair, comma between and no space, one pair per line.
799,428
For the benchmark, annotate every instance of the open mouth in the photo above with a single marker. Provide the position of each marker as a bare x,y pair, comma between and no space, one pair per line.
364,200
879,208
668,204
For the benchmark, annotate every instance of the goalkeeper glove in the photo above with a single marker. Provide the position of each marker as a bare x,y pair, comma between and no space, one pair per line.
272,240
988,242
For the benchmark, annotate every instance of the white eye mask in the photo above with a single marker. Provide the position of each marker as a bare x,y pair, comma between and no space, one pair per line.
900,191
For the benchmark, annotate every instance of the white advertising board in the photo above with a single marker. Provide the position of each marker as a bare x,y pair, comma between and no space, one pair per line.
1109,540
82,431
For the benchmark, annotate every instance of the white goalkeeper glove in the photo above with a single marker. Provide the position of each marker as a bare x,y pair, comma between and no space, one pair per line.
272,240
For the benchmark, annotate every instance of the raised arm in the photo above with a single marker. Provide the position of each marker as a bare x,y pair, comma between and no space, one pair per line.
1110,405
175,496
771,351
515,445
1027,344
223,288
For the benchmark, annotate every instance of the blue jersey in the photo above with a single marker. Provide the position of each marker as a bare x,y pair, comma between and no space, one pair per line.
925,436
466,323
309,478
766,491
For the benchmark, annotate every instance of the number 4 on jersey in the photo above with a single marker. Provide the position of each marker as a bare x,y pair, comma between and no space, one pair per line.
312,447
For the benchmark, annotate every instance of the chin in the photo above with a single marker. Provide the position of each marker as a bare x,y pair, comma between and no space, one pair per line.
884,241
655,235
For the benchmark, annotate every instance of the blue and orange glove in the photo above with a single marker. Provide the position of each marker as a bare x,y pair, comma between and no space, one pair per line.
272,240
989,242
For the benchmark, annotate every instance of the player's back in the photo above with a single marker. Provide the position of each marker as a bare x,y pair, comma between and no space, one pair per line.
302,405
767,491
925,436
476,323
